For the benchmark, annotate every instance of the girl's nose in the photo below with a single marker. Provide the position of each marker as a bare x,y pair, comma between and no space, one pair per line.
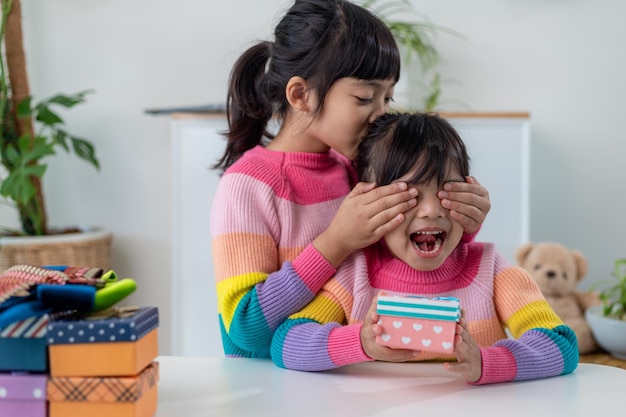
382,107
429,206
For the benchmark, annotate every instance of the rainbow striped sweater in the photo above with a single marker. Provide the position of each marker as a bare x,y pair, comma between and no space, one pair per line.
495,296
268,208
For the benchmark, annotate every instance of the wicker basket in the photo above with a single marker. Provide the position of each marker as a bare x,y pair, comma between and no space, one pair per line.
90,248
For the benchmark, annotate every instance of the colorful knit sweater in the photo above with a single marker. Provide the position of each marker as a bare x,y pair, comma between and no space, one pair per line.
268,208
494,295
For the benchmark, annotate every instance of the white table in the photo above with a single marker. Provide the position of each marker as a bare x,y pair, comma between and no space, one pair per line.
194,387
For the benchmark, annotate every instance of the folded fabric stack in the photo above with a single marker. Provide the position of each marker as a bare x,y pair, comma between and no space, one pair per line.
67,349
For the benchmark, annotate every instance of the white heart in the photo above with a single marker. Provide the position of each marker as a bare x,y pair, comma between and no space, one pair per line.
397,324
437,329
385,337
446,345
406,340
417,327
426,342
380,321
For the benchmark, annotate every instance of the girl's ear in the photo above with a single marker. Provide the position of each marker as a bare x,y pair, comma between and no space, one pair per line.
298,94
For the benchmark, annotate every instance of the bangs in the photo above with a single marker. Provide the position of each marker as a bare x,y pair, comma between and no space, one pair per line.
370,52
359,46
398,144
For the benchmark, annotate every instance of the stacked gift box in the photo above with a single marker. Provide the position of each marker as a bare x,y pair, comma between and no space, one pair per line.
72,350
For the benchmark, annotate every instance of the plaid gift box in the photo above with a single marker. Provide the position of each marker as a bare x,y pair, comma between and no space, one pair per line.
128,396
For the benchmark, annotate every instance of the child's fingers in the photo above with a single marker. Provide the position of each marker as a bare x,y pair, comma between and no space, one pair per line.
384,197
460,195
384,353
363,187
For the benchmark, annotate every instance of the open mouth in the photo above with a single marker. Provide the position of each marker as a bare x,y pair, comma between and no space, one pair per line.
428,242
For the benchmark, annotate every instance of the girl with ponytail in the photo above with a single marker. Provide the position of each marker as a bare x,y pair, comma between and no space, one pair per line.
288,210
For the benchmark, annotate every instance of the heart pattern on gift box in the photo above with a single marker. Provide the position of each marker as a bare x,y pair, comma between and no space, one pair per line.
401,333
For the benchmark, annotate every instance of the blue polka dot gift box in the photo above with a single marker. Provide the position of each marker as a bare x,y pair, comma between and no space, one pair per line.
23,395
118,341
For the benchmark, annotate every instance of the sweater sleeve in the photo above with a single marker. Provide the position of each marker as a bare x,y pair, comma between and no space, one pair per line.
317,338
255,291
541,345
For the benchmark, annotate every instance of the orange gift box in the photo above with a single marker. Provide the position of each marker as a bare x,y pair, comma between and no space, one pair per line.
129,396
104,346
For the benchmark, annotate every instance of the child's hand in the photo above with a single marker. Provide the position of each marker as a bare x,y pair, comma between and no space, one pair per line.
468,203
469,362
369,330
365,216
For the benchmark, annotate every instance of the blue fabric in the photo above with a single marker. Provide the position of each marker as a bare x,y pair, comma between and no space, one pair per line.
22,311
67,297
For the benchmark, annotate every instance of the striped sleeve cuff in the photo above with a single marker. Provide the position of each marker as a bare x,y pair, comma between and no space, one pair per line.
344,345
498,365
313,268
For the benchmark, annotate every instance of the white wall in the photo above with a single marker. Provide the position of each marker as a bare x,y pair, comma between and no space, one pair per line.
563,61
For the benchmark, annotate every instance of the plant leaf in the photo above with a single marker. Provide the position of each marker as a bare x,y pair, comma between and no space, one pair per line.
32,151
85,150
66,100
24,108
60,138
47,116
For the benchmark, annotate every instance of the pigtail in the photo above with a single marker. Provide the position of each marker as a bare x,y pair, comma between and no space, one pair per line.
247,109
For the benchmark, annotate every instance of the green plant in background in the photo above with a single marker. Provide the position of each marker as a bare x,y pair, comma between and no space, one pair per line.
29,131
614,296
414,36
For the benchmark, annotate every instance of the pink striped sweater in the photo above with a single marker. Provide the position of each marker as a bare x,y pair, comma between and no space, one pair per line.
268,208
495,296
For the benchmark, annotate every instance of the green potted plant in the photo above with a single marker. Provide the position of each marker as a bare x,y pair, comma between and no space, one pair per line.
414,37
608,321
29,132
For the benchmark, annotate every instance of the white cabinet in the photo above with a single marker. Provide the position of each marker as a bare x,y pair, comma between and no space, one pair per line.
499,150
196,146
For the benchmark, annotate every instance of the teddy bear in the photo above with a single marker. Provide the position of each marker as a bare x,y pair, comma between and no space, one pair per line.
557,270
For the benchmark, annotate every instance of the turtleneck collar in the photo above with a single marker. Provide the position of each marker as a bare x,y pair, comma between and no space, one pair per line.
390,273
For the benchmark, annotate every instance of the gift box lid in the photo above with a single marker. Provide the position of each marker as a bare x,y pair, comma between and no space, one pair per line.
438,308
22,386
121,324
125,389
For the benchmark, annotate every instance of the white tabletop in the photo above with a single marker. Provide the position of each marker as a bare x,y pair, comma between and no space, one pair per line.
194,387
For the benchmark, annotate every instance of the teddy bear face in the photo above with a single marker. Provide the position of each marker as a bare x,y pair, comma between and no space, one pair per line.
554,268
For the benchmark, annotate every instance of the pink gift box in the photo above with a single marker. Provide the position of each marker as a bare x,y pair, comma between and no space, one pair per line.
418,323
23,395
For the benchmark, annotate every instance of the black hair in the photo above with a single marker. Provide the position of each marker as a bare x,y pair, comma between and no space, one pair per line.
318,40
401,142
